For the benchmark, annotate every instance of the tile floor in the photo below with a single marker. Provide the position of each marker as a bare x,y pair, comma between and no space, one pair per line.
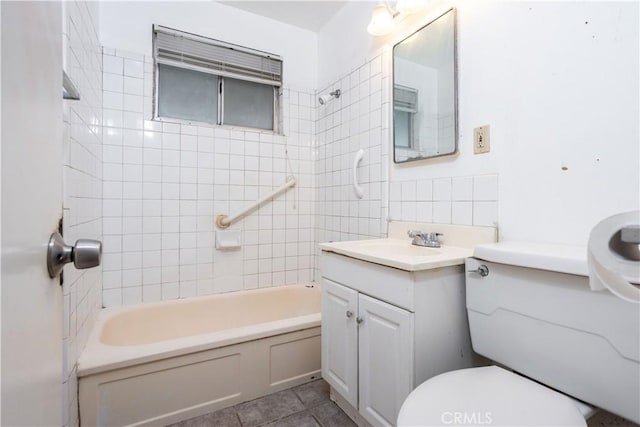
606,419
307,405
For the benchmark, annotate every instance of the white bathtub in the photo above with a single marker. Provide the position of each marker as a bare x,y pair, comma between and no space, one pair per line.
155,364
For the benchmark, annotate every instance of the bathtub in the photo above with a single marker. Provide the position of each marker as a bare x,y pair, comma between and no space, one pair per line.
155,364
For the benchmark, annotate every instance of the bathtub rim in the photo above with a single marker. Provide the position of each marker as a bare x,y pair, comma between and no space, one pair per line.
98,357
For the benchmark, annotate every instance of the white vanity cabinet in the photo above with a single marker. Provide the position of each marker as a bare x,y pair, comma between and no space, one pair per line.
367,348
385,349
386,330
340,339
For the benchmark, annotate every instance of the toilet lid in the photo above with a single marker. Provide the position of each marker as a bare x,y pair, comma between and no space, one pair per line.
487,396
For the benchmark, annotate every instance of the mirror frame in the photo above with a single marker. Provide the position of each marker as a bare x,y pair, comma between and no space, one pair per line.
455,89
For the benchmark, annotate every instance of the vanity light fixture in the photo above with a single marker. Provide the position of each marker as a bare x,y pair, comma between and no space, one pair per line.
381,20
385,16
322,99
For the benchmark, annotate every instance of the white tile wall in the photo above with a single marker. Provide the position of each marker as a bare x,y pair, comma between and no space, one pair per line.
360,119
165,183
82,172
462,188
441,189
463,200
356,120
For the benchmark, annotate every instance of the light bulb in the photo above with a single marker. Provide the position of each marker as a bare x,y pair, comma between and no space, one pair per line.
381,21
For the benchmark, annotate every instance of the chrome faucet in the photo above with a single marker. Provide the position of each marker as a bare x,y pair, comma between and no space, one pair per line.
421,238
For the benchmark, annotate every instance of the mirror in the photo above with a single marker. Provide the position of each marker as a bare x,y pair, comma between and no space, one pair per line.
424,92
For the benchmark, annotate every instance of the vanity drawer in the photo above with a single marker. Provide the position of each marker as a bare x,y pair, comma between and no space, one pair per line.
384,283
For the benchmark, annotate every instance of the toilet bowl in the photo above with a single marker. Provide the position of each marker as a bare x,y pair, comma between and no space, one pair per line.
489,396
530,309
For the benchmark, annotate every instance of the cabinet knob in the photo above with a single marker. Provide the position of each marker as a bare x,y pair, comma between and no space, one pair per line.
359,320
349,313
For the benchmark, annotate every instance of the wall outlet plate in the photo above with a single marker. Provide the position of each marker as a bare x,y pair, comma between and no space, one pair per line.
481,140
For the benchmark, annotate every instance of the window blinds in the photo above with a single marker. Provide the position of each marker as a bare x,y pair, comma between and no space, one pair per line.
177,48
405,99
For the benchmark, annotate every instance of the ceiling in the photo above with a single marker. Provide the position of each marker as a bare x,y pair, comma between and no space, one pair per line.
310,15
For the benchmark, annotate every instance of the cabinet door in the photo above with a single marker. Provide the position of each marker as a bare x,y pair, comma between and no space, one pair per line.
340,339
386,359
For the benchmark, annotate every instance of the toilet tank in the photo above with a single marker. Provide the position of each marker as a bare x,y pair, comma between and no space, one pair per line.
535,313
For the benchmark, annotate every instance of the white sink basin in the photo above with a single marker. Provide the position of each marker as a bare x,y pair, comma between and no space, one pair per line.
399,253
394,247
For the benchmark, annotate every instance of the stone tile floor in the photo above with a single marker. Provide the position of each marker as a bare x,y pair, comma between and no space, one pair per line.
606,419
307,405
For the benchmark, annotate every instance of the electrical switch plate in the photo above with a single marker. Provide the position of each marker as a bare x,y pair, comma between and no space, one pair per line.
481,141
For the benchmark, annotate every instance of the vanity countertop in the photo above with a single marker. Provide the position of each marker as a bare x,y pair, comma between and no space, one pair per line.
400,253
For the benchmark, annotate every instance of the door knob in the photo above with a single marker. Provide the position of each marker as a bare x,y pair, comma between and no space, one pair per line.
85,253
349,313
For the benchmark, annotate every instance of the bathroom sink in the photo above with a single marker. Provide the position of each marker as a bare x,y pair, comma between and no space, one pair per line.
399,253
394,247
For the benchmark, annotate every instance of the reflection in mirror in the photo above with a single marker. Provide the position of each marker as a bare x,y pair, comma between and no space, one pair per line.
424,92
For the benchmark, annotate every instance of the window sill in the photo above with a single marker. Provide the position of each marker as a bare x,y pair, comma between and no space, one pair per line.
216,126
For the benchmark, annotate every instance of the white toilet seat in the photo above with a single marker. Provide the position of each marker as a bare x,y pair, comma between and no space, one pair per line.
487,396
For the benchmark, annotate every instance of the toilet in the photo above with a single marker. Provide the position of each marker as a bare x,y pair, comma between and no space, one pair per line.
560,346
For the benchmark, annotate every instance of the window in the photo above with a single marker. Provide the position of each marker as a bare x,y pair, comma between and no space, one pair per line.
187,94
204,80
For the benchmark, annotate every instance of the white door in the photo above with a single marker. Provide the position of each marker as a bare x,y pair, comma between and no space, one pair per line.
386,360
31,51
340,339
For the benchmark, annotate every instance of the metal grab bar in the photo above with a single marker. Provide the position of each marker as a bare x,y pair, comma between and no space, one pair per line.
224,221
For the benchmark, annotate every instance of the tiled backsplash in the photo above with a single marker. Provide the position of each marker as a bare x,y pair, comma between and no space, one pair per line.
82,175
465,200
164,184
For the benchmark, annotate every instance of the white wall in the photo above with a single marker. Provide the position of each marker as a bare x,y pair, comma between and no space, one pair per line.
127,26
557,82
344,44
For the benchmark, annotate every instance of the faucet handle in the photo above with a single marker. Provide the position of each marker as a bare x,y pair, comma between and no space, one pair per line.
423,238
415,233
433,237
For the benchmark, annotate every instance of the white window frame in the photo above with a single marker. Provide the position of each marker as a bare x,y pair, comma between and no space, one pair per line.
277,86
